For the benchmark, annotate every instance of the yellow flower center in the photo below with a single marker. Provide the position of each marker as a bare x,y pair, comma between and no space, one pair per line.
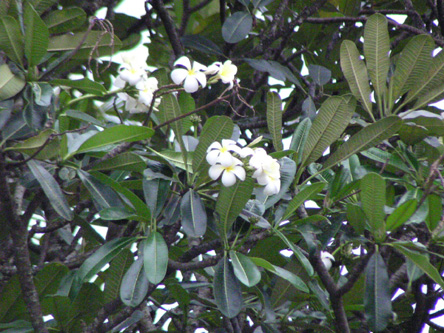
223,149
191,71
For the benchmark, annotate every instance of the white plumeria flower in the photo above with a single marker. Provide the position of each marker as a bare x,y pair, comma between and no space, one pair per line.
225,72
191,77
132,105
267,171
229,169
132,70
327,259
221,153
146,88
214,68
246,151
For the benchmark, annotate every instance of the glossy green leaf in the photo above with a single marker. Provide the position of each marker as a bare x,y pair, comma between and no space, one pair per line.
102,256
51,189
100,41
231,201
67,19
435,210
126,161
373,201
141,209
85,85
299,138
366,138
332,119
356,74
295,280
305,194
11,39
36,36
176,158
376,52
236,27
155,257
113,135
114,275
42,5
227,289
297,252
215,129
274,119
385,157
401,214
11,300
275,69
155,192
134,286
433,122
10,84
419,259
377,298
102,195
413,63
194,217
245,270
116,213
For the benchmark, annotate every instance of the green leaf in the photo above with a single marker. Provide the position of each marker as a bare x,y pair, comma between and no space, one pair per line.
11,39
420,260
36,36
134,285
202,44
245,270
85,85
435,209
155,192
332,119
126,161
155,257
10,84
385,157
104,43
116,213
366,138
275,69
401,214
176,158
83,117
215,129
376,51
412,65
295,280
237,27
355,218
102,256
42,5
141,209
113,135
319,74
373,201
274,119
377,298
227,289
299,138
356,74
431,121
301,197
114,275
65,20
51,189
194,217
231,201
102,196
11,300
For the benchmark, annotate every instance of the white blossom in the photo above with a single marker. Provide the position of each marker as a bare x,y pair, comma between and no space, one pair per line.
221,153
190,76
132,105
229,169
146,88
327,259
225,72
267,171
132,70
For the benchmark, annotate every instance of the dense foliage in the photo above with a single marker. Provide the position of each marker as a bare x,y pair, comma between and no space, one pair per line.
270,166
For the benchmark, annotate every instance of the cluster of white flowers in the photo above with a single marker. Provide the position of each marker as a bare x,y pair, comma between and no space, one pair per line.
133,72
194,76
266,169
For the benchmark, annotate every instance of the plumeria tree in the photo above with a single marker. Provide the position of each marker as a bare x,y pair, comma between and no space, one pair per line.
251,166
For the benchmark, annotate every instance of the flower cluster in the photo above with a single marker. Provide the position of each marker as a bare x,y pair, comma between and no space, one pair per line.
229,161
133,72
193,76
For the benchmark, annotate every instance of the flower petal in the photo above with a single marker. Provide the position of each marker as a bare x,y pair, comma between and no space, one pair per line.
201,78
228,179
239,172
191,85
214,145
215,171
212,157
178,75
183,61
197,66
